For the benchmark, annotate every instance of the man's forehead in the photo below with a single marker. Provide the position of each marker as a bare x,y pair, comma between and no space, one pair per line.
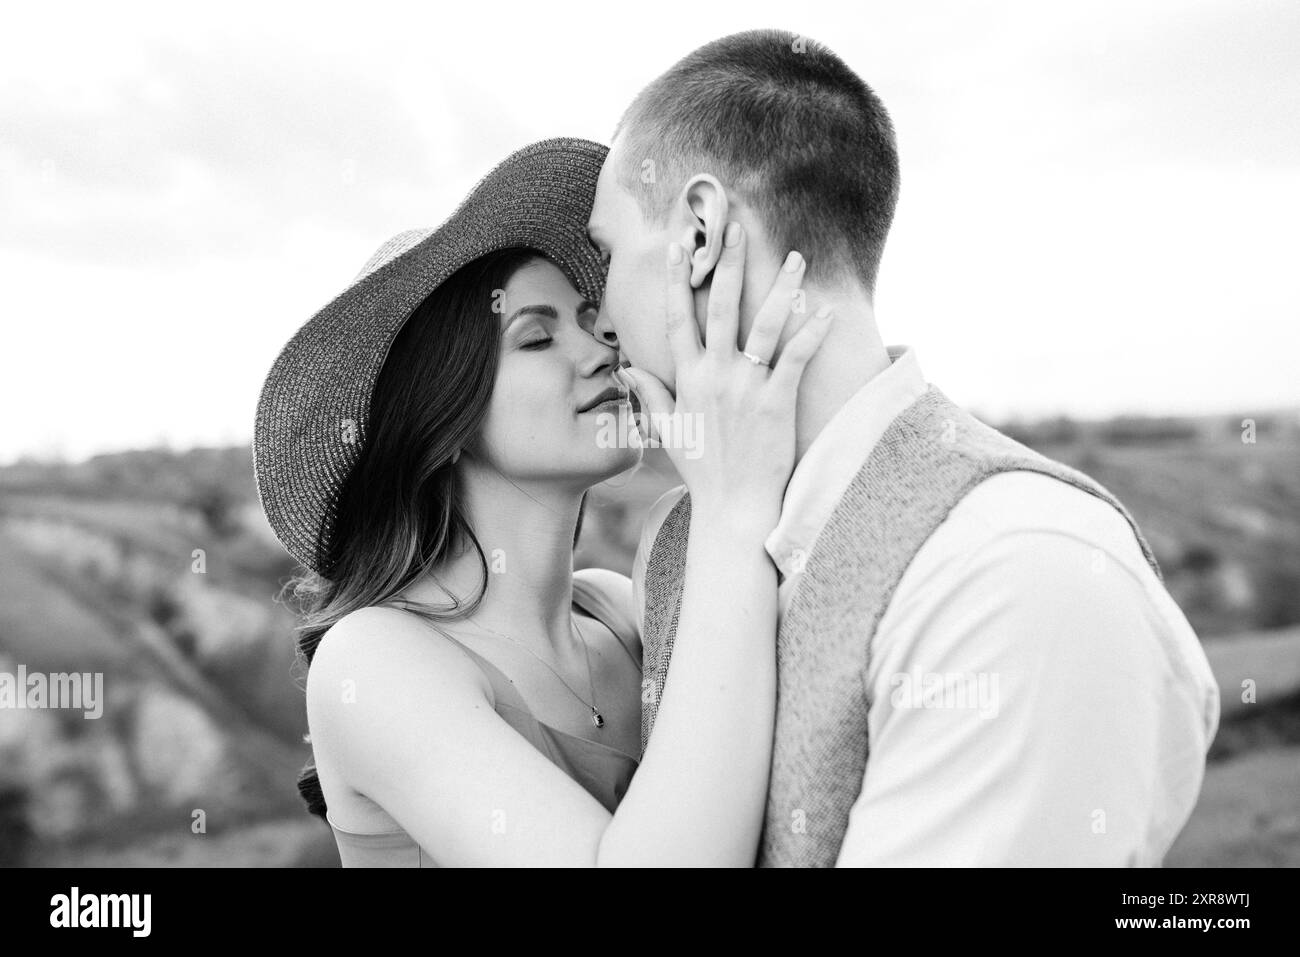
605,205
603,181
596,222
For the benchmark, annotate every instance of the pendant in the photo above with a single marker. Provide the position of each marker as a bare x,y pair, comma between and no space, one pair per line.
597,718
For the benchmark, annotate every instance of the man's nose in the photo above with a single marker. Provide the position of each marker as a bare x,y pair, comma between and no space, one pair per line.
604,328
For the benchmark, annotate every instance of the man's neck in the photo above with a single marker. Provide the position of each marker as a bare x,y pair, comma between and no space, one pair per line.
852,355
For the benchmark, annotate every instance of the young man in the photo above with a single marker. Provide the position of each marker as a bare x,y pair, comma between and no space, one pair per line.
977,661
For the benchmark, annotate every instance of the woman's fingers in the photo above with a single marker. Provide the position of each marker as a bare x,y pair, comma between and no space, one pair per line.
723,323
656,402
802,346
776,308
683,335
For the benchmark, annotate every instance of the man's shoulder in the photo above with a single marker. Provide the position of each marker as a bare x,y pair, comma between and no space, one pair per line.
1026,500
1011,513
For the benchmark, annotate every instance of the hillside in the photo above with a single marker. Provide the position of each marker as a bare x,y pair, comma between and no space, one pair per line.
205,713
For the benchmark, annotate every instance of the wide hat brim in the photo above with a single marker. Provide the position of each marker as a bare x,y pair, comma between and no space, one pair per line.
313,413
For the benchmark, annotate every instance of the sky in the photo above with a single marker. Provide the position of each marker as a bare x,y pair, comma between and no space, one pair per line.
1098,212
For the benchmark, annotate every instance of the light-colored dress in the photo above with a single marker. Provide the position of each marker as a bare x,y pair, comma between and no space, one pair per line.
604,771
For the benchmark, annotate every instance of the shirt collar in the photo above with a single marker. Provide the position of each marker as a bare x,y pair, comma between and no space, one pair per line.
836,455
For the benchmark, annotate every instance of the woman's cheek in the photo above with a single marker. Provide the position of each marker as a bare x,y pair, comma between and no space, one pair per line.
527,409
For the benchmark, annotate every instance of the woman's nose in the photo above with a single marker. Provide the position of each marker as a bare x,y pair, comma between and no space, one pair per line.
605,360
598,356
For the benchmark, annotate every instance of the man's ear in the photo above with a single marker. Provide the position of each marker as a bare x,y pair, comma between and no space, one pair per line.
705,208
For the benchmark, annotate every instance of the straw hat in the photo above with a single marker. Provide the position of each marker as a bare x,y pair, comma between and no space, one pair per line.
313,414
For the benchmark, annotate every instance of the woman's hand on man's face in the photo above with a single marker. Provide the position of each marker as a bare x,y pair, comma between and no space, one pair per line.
737,404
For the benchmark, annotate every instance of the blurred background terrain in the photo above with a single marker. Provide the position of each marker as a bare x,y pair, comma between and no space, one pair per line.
205,713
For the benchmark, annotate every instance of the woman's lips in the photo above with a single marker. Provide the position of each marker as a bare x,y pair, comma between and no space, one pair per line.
611,404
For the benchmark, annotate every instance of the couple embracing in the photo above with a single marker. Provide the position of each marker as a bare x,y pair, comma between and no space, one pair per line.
867,629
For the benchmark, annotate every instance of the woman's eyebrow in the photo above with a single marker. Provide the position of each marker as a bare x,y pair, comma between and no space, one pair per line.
548,311
541,310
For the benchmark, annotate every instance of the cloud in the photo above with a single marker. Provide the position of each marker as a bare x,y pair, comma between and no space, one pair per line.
1203,83
192,152
1094,195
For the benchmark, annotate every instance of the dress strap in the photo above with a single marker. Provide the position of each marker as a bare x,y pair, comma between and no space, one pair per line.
502,687
587,596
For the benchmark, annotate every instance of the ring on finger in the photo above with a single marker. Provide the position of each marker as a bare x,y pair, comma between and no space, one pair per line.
757,360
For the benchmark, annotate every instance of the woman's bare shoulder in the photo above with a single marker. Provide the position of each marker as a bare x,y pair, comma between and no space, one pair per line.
381,649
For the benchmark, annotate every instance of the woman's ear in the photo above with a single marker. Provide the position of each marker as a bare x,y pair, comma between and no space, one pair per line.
705,205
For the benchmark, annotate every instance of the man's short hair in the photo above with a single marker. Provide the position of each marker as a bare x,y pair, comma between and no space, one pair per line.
782,120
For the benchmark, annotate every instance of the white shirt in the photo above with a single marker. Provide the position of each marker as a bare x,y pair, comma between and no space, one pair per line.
1079,703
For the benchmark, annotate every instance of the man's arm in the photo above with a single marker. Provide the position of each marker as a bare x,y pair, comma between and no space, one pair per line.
1026,710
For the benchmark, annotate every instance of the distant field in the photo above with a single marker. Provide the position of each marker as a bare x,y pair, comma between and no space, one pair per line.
1248,814
95,572
299,841
1270,660
1223,518
43,625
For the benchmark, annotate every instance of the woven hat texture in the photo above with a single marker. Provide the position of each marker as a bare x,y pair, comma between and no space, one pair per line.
312,416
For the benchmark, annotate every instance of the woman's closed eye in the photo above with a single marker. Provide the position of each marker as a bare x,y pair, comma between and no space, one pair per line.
540,342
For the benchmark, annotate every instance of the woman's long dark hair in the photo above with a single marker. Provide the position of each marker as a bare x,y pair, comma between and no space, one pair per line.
400,511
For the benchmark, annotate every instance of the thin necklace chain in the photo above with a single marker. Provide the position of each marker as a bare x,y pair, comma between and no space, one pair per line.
596,717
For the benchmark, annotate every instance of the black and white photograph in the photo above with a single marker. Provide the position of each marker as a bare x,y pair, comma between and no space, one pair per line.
689,436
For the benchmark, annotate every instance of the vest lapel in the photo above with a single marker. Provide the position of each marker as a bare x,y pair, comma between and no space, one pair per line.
662,588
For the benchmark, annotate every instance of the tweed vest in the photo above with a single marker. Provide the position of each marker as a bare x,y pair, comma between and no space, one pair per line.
927,460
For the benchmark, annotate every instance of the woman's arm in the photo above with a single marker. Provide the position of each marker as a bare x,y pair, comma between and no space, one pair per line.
405,716
698,797
415,719
704,773
392,704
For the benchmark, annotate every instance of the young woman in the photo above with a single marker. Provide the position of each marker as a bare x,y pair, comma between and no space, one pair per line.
471,699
